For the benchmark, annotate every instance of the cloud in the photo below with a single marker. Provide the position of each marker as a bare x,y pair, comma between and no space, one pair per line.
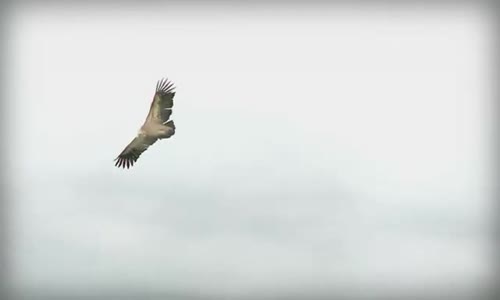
313,152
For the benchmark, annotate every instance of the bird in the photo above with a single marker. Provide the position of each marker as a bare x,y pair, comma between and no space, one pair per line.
157,126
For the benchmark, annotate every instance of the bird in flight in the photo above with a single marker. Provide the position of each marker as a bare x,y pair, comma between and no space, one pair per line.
157,125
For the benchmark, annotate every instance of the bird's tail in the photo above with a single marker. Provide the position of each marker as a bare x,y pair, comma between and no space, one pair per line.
171,126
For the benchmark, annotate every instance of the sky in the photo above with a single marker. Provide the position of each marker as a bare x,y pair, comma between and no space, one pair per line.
323,149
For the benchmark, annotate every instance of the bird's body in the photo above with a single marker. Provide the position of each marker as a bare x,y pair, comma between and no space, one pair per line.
157,125
154,130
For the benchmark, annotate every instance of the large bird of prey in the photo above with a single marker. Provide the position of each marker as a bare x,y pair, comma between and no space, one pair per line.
157,125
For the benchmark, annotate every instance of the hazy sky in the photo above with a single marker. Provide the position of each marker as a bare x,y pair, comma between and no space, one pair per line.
321,148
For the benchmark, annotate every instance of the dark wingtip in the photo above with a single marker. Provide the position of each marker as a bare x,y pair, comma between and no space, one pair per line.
125,161
165,86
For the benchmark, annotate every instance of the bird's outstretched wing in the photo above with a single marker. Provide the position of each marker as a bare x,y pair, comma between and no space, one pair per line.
133,150
163,101
157,125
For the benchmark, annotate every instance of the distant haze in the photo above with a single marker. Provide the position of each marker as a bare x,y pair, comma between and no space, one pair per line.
327,149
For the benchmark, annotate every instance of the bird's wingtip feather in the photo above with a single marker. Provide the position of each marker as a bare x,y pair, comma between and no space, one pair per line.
165,86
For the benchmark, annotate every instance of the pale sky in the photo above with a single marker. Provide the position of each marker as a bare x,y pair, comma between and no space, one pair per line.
329,148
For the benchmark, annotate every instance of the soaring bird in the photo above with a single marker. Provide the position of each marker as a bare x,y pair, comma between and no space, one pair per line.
157,125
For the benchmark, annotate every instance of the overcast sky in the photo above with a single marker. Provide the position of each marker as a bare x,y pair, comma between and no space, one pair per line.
328,148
